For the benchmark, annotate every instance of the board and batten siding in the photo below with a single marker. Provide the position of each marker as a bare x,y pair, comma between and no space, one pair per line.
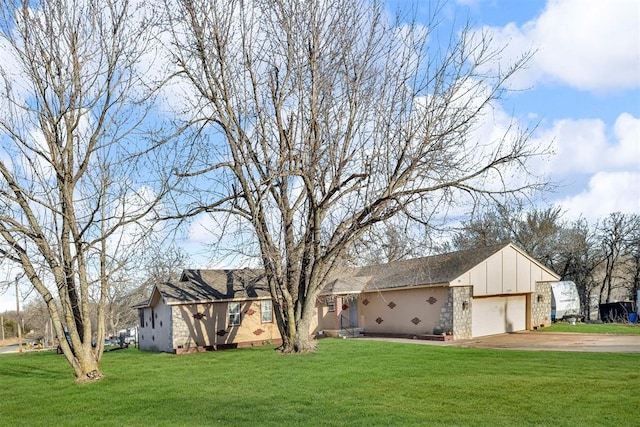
508,271
155,335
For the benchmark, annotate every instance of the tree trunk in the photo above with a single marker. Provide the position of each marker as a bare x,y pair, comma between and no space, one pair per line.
83,360
298,339
86,367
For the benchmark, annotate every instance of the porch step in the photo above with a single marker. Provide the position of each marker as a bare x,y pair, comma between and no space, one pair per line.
426,337
344,333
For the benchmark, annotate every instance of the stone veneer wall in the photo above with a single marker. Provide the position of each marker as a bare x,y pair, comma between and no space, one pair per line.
541,305
462,306
180,330
455,316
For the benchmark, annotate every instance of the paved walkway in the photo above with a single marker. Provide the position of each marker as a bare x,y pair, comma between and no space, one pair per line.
549,341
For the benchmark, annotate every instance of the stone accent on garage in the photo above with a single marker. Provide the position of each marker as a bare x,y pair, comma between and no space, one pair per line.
541,305
462,306
455,315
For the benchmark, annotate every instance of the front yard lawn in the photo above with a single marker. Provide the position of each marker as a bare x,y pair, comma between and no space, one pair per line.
594,328
347,382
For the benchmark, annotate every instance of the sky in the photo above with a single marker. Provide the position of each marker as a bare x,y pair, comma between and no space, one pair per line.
581,91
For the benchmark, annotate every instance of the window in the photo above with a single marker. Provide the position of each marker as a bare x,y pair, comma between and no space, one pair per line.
153,319
234,313
141,317
331,305
267,311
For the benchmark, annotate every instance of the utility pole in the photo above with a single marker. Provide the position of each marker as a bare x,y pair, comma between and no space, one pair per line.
18,315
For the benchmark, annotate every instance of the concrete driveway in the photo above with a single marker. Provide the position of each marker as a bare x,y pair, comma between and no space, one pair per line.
599,343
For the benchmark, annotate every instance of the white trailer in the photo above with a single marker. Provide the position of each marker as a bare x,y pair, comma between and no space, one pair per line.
565,301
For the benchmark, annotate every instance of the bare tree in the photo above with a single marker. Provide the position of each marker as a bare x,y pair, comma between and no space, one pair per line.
617,235
79,141
633,265
325,118
576,258
536,231
133,285
490,228
389,242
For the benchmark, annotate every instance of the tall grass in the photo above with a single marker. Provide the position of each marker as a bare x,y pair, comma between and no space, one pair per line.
347,382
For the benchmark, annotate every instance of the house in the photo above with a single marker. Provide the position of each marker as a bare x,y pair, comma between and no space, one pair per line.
208,309
458,295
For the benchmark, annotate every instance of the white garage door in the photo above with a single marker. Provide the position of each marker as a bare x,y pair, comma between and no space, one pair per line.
497,315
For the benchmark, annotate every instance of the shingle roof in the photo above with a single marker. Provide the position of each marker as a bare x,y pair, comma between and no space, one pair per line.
431,270
344,283
212,285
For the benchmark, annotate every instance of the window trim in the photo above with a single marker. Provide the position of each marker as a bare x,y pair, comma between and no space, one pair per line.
269,311
237,318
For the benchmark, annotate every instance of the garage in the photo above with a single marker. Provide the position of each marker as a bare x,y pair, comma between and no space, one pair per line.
458,295
498,315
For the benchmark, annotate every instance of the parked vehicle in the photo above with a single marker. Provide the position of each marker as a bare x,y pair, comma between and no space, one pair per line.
565,301
129,335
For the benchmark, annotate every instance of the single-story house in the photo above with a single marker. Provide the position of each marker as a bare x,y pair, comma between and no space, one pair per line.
458,295
208,309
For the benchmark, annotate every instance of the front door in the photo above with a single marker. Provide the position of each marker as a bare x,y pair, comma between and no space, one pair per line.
353,313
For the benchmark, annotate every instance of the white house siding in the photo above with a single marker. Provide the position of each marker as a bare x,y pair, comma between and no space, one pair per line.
502,285
155,335
144,329
508,271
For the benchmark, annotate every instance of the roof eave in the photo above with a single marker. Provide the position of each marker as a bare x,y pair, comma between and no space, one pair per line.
211,301
395,288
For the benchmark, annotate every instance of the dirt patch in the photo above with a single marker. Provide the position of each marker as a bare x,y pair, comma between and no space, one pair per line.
556,341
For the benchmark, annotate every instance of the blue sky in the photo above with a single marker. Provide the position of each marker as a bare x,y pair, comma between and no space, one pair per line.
580,91
583,93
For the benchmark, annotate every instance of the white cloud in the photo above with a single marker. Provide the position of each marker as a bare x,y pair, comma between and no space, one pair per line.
203,230
627,131
607,158
220,241
8,300
607,192
590,45
8,273
586,146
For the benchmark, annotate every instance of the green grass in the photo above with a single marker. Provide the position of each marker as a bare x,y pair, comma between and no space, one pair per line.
346,382
594,328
